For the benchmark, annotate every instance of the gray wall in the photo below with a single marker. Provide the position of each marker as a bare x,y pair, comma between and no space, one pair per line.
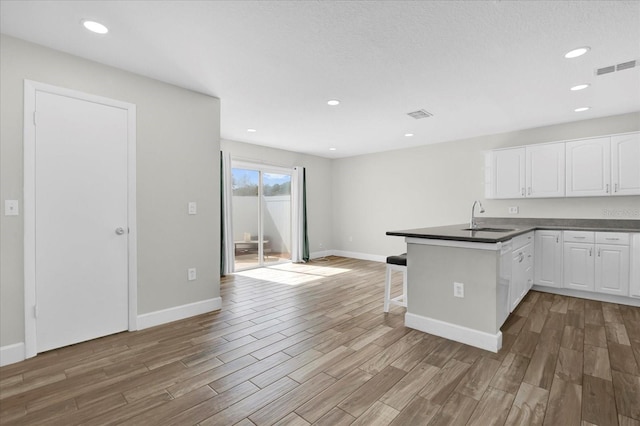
319,196
178,140
436,184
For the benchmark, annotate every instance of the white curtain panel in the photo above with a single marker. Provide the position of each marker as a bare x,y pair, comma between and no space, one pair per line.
297,212
229,252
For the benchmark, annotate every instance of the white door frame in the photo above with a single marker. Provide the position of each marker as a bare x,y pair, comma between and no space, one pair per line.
30,89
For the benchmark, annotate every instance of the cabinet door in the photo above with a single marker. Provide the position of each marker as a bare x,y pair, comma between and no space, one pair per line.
545,170
521,275
634,258
612,269
508,173
588,167
578,266
625,164
548,258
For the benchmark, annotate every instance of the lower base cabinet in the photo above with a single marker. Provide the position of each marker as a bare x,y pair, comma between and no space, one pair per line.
597,261
579,266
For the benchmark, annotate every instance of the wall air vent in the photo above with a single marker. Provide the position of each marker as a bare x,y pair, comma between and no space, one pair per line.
420,114
619,67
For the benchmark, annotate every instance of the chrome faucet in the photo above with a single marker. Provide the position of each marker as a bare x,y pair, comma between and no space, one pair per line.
472,223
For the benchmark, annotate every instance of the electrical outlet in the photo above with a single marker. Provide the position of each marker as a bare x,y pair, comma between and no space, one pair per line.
458,289
191,274
193,207
11,208
514,210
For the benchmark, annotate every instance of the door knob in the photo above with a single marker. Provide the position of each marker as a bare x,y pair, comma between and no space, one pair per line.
119,231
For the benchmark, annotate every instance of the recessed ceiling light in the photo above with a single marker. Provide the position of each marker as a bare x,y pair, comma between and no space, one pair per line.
580,87
581,109
408,134
332,149
95,27
577,52
333,102
251,130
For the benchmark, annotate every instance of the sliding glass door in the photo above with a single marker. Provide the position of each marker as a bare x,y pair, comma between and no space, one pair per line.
261,215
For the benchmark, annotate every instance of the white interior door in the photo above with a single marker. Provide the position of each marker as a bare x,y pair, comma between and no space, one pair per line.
81,226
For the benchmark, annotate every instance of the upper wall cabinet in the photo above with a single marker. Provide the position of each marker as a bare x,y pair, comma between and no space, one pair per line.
604,166
593,167
508,173
625,164
545,170
588,167
535,171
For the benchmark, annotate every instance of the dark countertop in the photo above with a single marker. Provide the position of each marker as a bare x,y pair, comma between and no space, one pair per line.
516,227
457,233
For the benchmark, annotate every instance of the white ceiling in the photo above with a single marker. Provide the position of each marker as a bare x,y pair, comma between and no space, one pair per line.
481,67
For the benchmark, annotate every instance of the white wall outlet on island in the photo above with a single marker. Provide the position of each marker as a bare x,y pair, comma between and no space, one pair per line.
193,207
191,274
458,289
514,210
11,208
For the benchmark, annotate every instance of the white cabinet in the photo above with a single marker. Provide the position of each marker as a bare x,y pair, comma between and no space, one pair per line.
508,173
603,166
548,258
545,170
578,266
612,269
634,256
588,167
597,262
535,171
625,164
521,268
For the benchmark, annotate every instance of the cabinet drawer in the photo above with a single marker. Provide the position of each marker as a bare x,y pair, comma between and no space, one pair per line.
522,240
612,238
579,237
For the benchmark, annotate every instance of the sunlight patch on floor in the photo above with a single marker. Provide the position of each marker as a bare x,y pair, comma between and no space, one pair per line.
292,273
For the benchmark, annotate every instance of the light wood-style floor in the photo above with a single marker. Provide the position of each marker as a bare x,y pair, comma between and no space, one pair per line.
309,344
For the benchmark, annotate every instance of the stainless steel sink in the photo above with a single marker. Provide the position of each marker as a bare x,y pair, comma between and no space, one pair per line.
489,229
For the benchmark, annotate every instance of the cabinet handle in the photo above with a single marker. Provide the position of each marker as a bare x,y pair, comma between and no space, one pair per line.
522,191
529,191
607,189
615,187
598,252
579,238
590,252
557,239
612,239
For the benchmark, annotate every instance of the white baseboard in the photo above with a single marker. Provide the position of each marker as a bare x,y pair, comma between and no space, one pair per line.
10,354
600,297
176,313
319,254
468,336
361,256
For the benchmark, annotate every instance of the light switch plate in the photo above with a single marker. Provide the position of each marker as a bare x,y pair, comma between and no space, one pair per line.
11,208
514,210
193,207
191,274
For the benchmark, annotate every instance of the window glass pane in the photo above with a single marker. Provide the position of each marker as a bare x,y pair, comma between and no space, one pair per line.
246,217
277,217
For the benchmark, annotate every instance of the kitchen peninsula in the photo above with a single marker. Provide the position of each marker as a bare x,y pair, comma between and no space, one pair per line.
462,284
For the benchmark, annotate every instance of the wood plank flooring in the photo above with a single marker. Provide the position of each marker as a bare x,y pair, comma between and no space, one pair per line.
309,344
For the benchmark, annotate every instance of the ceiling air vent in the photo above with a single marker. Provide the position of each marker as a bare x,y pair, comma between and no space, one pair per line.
618,67
420,114
626,65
